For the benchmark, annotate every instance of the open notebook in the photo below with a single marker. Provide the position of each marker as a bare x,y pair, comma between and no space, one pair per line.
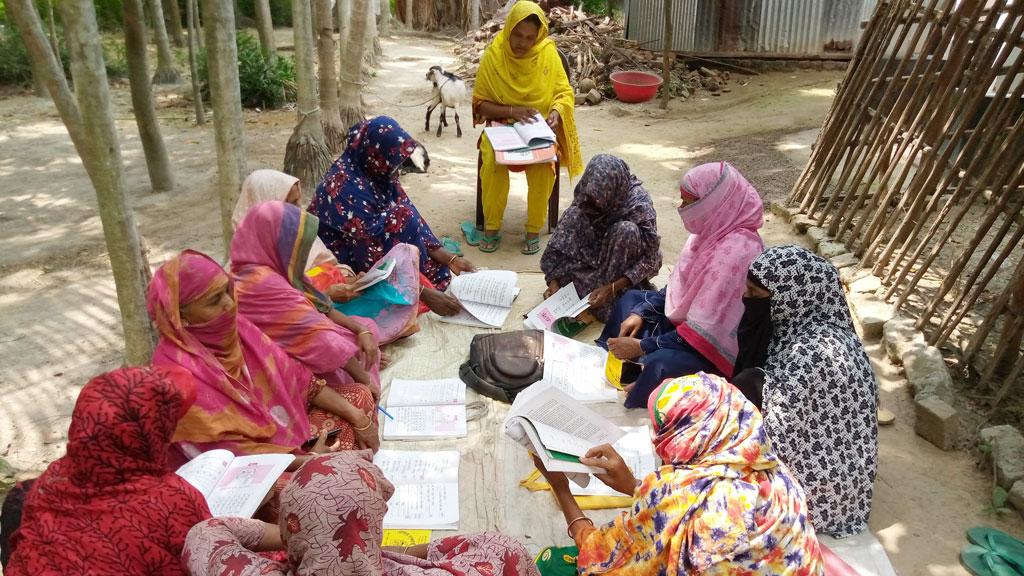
576,369
486,298
521,136
375,275
636,449
565,303
559,430
426,409
426,488
234,486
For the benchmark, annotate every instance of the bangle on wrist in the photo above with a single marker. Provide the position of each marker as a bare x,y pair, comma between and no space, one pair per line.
369,423
568,528
454,256
364,332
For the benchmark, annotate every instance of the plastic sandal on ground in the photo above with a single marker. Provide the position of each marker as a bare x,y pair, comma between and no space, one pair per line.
1008,548
531,246
452,246
470,233
981,561
490,244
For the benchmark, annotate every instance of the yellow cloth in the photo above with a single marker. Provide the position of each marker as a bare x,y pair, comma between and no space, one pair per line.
405,537
494,190
534,483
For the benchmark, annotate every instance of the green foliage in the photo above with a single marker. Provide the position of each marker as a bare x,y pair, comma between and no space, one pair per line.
114,57
262,85
280,11
15,68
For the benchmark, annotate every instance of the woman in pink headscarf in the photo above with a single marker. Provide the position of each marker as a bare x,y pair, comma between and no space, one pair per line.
690,326
331,522
251,397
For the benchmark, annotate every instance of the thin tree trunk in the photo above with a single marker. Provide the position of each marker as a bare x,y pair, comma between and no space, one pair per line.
474,15
177,31
200,31
372,42
668,56
90,123
54,41
409,20
165,71
351,79
229,135
334,131
344,10
265,28
385,18
193,61
306,156
157,162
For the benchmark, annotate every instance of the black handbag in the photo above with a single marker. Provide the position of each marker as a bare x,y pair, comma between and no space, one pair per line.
502,365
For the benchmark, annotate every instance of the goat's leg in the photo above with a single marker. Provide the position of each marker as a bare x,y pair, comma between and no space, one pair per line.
444,115
441,121
430,109
458,128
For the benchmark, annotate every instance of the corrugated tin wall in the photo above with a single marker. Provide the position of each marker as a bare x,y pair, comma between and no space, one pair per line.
784,27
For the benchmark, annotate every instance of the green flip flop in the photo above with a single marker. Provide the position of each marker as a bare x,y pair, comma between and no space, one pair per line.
981,561
531,246
470,233
452,246
1008,548
490,243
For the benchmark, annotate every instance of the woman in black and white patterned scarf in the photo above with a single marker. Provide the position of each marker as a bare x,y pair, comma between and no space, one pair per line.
819,391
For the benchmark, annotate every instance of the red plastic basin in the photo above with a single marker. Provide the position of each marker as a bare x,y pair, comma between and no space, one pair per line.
634,85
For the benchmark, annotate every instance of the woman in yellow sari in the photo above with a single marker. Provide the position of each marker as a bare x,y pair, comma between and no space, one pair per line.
521,75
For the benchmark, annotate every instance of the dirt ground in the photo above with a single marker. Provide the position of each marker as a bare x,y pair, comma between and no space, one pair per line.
58,314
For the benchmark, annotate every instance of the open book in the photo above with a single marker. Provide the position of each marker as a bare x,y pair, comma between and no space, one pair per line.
426,488
558,430
486,298
636,449
234,486
565,303
375,275
521,136
426,409
576,369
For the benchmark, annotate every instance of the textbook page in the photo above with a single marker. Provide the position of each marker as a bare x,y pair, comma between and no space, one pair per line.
426,488
636,449
446,391
421,422
243,481
504,138
493,287
205,470
375,275
577,369
537,133
565,303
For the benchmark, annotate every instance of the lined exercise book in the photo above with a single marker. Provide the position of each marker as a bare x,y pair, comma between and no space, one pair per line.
426,488
486,297
234,486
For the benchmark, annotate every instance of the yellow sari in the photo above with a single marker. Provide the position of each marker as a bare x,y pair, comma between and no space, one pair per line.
536,80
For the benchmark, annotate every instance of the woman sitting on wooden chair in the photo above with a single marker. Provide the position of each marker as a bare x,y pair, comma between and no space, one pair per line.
521,75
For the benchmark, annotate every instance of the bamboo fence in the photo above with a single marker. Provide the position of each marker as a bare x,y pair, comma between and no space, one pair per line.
919,170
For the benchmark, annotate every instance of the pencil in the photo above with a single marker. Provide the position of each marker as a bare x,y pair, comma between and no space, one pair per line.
385,412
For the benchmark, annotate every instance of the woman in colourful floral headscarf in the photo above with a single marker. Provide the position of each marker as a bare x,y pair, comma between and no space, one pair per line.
252,398
364,212
331,522
721,503
521,76
690,326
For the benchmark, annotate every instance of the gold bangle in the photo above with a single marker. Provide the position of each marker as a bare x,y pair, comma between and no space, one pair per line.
363,332
568,529
454,256
369,422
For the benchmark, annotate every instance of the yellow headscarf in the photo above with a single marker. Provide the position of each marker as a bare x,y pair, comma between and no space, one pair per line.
536,80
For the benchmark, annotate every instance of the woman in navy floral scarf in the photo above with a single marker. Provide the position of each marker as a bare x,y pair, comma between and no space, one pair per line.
364,211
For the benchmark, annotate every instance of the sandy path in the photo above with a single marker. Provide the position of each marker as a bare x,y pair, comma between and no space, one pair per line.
58,314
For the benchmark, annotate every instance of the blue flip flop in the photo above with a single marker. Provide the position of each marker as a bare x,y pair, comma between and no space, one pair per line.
470,232
452,246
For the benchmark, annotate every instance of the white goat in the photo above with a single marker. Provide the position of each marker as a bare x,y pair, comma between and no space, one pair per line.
449,92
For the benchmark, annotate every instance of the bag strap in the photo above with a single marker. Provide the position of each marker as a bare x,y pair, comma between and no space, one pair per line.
468,374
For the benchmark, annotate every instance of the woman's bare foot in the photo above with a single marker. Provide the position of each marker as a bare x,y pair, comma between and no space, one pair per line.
385,360
440,303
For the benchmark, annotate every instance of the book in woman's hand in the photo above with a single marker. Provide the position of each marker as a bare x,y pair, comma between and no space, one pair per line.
234,486
521,136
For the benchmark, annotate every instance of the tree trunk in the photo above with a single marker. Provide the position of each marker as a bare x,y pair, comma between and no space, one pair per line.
351,80
200,31
54,41
334,131
668,56
474,15
306,156
165,71
229,135
193,61
157,163
174,16
385,18
409,19
372,42
344,10
265,28
90,123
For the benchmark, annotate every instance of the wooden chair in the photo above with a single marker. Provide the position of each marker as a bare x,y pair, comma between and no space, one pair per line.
552,199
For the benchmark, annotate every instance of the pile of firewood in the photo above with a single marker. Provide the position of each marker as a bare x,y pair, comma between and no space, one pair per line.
594,46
